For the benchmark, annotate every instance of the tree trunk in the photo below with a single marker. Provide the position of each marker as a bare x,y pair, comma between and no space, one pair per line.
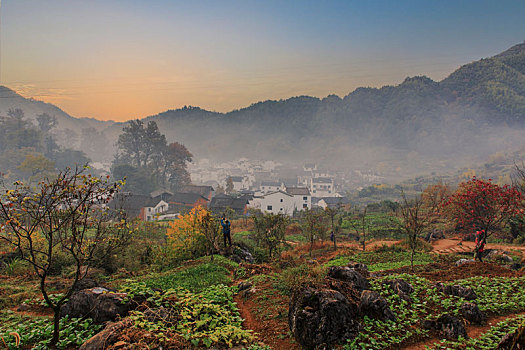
56,327
412,253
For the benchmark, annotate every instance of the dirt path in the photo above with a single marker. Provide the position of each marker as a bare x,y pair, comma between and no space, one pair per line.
447,246
473,331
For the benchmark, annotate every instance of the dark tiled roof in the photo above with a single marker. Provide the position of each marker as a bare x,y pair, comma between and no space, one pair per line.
158,193
298,191
185,198
322,180
236,178
224,201
130,203
202,190
335,200
271,183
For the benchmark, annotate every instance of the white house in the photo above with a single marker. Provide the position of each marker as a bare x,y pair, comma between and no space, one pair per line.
153,209
281,202
301,197
333,202
322,187
278,202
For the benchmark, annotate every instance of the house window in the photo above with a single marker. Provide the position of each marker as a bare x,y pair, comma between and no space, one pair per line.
281,209
305,198
149,210
269,207
305,206
281,200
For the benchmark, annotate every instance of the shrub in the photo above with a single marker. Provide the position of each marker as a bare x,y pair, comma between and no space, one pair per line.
17,267
294,277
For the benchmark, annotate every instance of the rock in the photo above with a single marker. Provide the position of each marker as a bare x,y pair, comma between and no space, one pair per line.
23,307
514,340
236,258
506,258
97,303
472,313
373,305
246,293
457,290
105,338
361,268
448,326
464,261
401,287
244,254
349,275
244,285
86,283
321,318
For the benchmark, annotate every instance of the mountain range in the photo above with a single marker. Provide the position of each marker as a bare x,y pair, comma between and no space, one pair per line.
419,125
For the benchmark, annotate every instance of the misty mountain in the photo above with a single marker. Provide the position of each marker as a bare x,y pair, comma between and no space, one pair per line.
419,125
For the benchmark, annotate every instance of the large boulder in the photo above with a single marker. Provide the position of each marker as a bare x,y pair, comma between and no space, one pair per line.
472,313
457,290
350,275
373,305
448,327
320,318
97,303
400,287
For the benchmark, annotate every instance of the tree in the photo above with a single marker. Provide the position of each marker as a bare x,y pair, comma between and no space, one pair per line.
36,167
146,149
270,230
361,225
229,185
66,215
482,205
314,226
415,218
335,222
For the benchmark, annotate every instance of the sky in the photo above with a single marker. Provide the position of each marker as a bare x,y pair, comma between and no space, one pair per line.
125,59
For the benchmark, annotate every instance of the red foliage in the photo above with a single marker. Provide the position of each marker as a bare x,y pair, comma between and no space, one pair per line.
483,205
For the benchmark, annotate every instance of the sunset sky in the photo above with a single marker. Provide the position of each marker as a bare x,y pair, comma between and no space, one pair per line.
123,59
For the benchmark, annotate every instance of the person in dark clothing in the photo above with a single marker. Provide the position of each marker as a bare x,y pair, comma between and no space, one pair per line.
226,231
480,244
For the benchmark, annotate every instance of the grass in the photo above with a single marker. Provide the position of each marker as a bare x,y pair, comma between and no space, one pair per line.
195,279
378,261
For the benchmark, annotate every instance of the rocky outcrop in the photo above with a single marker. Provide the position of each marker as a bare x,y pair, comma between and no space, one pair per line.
456,290
350,275
514,340
401,288
448,327
320,318
373,305
472,313
97,303
464,261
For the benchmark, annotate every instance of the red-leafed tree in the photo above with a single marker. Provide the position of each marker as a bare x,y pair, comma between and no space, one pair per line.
483,205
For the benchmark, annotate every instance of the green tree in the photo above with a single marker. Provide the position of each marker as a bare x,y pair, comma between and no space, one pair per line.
270,230
314,226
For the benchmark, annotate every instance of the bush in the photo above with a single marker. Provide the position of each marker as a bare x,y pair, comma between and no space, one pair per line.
385,248
421,245
17,267
295,277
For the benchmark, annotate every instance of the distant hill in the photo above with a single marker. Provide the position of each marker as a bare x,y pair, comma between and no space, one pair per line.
416,126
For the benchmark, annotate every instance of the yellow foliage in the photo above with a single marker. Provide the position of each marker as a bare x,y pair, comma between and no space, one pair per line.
186,233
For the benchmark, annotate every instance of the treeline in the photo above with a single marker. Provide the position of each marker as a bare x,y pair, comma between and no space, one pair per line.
30,152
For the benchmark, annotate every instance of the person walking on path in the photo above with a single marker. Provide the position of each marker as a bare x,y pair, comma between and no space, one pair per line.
226,231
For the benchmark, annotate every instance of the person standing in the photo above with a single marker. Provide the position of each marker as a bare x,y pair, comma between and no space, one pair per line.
480,245
226,229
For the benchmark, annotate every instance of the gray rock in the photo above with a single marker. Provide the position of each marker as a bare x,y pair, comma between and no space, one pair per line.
97,303
457,290
350,275
373,305
516,266
319,319
23,307
401,287
244,285
448,327
472,313
464,261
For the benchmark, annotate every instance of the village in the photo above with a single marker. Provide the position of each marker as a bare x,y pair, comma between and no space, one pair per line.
238,186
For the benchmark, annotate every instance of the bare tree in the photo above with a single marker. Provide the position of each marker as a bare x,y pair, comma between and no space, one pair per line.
65,214
314,226
361,226
335,222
